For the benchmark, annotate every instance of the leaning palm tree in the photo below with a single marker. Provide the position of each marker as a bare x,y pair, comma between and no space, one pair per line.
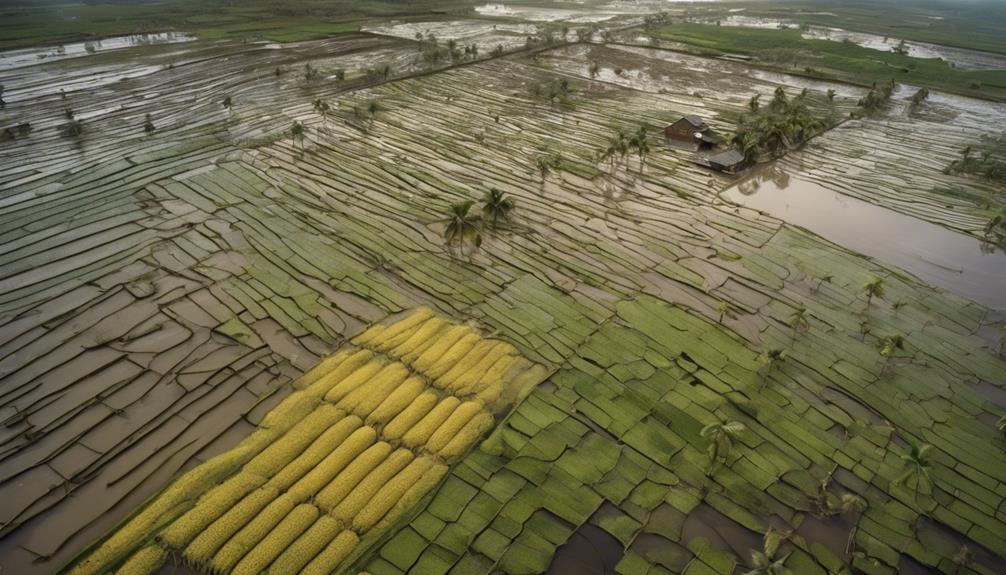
497,207
641,144
798,320
887,347
373,107
769,359
722,435
917,467
852,507
322,108
297,133
462,226
874,289
764,562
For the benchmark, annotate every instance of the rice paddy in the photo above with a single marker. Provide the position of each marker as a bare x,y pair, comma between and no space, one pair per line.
315,482
228,349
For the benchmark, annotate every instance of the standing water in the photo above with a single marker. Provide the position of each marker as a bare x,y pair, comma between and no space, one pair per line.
938,256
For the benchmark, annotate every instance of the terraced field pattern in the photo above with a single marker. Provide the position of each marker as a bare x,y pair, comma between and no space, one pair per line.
224,349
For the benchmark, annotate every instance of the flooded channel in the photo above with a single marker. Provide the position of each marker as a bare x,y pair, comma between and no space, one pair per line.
938,256
30,56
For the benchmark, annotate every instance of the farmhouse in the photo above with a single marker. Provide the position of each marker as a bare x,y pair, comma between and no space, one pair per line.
691,131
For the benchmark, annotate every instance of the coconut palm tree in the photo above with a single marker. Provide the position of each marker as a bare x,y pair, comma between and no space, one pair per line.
322,107
963,559
874,289
497,207
297,133
917,465
798,320
831,94
722,309
852,507
227,103
73,128
764,562
887,348
769,359
754,103
641,144
722,436
148,125
462,226
373,107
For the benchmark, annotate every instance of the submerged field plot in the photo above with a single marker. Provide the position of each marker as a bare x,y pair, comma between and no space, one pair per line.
163,293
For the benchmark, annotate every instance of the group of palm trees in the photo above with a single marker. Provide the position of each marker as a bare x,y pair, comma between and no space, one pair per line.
989,163
773,129
464,227
621,145
555,92
877,98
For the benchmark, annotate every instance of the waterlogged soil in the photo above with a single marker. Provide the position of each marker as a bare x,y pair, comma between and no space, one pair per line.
160,292
938,256
11,59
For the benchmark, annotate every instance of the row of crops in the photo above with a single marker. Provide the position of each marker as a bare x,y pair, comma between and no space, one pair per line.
368,432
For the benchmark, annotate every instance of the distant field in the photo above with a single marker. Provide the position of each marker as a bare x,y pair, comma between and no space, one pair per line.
54,22
977,24
842,60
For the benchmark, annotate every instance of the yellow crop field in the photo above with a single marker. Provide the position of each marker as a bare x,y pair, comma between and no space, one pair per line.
363,437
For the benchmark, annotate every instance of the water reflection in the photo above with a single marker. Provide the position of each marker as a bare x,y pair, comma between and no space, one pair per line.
938,256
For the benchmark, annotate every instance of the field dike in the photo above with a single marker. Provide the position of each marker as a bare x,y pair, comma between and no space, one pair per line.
368,432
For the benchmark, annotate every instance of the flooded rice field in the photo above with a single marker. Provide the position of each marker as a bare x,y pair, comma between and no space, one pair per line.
11,59
161,294
938,256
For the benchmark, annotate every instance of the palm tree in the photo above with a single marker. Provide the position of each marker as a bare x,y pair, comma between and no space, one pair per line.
874,289
852,507
798,320
769,359
642,146
73,128
779,101
722,309
297,133
764,562
917,467
227,103
754,103
831,95
462,226
497,207
148,125
322,107
373,107
722,435
887,348
963,559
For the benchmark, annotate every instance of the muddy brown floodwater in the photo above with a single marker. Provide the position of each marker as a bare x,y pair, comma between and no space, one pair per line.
939,256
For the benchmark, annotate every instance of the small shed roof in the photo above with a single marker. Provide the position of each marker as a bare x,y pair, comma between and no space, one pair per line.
695,121
726,159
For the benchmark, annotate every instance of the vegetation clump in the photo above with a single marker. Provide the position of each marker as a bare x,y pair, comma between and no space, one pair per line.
877,99
776,128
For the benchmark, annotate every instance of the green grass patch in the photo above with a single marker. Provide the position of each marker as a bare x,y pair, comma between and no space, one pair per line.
788,50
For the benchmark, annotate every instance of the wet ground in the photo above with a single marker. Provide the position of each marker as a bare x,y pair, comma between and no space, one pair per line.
938,256
159,293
